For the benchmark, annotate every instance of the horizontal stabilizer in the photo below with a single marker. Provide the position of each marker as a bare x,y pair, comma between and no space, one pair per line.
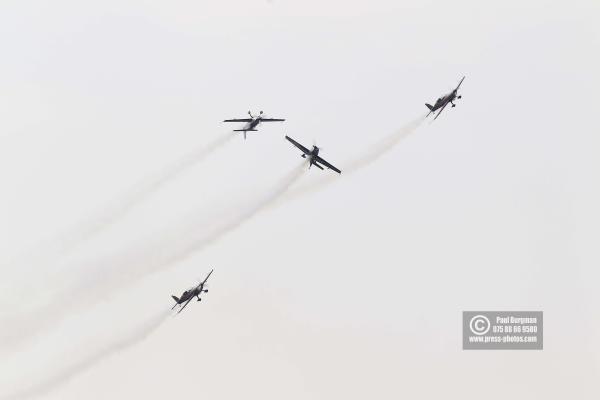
429,106
244,130
239,120
318,166
175,298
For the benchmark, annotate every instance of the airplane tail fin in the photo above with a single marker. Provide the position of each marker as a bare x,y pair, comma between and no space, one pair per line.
429,106
175,298
245,131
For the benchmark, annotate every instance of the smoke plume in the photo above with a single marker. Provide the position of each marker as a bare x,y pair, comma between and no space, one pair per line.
369,156
111,274
102,219
122,205
63,374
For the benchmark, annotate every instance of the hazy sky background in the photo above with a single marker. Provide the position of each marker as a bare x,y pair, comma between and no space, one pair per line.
355,291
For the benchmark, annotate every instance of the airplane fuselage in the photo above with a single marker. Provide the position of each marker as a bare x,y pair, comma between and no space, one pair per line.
253,124
311,156
188,294
442,101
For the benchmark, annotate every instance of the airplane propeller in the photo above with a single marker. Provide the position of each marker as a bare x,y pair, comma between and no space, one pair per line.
314,143
252,116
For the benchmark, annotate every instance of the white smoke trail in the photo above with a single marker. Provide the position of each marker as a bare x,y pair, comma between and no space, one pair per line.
63,375
137,194
120,206
115,273
128,268
371,155
53,250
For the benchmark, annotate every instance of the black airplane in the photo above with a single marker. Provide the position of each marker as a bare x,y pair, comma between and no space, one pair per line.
443,101
189,294
252,122
313,156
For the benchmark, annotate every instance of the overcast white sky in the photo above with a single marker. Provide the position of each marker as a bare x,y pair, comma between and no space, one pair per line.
355,291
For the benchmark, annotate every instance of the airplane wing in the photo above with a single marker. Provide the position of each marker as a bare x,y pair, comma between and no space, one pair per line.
442,109
298,145
460,83
186,303
325,163
271,120
207,276
239,120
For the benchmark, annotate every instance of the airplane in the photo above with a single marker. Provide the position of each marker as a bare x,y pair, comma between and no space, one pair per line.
443,101
189,294
313,156
252,122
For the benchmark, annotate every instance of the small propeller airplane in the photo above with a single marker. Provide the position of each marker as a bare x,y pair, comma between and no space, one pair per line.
252,122
189,294
443,101
313,156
